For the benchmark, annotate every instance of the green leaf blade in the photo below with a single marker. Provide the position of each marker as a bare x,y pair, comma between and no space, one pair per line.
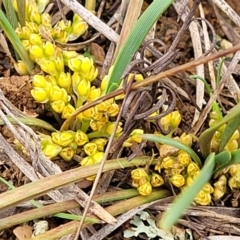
134,40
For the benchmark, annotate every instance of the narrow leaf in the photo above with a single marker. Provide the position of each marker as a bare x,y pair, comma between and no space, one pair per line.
134,40
186,197
228,132
206,137
174,143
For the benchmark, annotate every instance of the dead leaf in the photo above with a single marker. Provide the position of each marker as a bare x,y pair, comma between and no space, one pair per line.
23,232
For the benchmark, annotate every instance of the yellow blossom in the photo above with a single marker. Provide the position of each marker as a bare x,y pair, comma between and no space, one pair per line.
40,95
68,111
81,138
156,180
139,173
90,148
51,150
177,180
63,138
145,189
67,153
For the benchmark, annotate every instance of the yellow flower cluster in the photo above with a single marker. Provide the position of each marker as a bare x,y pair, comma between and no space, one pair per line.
66,84
144,181
233,141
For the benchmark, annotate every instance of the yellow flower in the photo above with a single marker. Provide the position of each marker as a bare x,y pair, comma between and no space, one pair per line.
58,106
64,80
139,173
203,198
51,150
59,63
108,128
39,81
231,145
90,148
40,95
68,111
192,168
177,180
87,161
56,93
48,67
21,68
175,119
35,39
63,138
158,167
168,162
100,142
94,94
36,51
67,153
145,189
87,64
104,83
98,156
83,88
81,138
220,187
75,64
41,4
46,20
165,121
156,180
35,17
49,49
186,139
77,29
67,55
59,35
113,110
184,158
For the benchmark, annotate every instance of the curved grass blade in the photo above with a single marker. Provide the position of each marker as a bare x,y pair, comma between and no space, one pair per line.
13,38
186,197
234,159
134,40
222,161
206,137
174,143
228,132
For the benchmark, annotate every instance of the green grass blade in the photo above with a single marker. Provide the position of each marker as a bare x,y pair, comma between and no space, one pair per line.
10,13
206,137
228,132
174,143
222,161
134,40
13,38
21,4
186,197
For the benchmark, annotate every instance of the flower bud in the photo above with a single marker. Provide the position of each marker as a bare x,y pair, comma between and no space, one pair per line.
177,180
98,156
192,168
235,135
77,29
138,173
220,187
94,94
104,83
168,162
64,80
165,121
39,81
40,95
87,161
203,198
234,169
81,138
231,146
51,150
59,35
158,167
138,77
49,49
63,138
175,119
186,139
35,39
145,189
90,148
58,106
46,20
184,158
36,51
48,67
75,64
67,55
59,63
83,88
108,129
56,93
68,111
135,135
113,110
21,68
91,75
35,17
67,153
33,27
100,142
156,180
